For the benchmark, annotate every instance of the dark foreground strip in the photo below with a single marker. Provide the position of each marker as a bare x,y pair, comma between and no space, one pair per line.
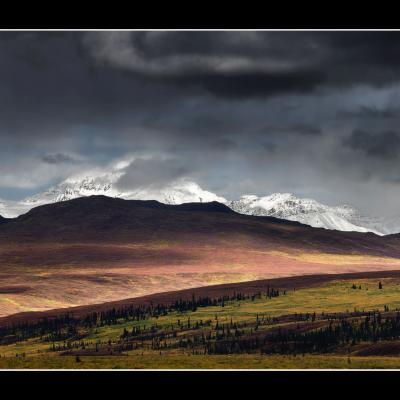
203,381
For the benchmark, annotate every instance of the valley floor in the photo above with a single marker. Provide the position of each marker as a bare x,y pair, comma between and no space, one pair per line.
348,323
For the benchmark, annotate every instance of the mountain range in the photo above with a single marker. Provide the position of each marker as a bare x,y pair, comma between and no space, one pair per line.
279,205
310,212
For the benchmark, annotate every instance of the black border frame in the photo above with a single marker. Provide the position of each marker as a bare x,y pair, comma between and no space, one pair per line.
199,16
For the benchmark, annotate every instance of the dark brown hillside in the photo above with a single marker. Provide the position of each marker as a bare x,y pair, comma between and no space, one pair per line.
105,219
98,249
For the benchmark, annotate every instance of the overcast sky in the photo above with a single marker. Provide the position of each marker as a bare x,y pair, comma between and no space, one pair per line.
313,113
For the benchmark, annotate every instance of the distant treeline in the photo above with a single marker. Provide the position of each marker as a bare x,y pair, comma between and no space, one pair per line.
67,326
342,332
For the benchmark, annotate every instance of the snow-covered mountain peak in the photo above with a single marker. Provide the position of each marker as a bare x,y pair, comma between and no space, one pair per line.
280,205
74,187
304,210
178,192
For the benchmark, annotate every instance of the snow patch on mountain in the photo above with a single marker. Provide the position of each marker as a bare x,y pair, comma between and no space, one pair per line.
75,187
307,211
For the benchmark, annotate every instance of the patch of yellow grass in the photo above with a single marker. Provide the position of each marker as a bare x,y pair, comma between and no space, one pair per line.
338,259
10,301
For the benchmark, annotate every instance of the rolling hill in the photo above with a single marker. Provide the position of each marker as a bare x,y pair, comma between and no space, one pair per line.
102,218
96,249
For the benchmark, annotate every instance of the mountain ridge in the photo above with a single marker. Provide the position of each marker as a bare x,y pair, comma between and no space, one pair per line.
98,216
279,205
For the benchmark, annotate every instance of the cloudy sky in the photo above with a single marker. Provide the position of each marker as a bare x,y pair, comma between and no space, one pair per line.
313,113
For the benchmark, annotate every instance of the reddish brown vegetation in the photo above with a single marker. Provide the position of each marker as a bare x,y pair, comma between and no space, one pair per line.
98,249
289,283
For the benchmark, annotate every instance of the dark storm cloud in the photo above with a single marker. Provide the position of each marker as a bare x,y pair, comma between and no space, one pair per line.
253,84
65,88
370,112
304,129
384,145
269,147
225,144
299,129
58,158
237,112
243,64
62,79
